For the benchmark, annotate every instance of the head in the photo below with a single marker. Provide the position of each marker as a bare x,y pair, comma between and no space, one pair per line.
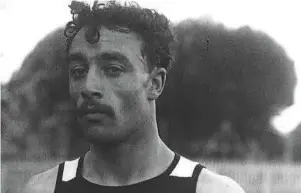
118,57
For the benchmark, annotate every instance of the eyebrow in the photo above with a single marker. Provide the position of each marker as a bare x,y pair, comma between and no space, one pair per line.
77,56
113,56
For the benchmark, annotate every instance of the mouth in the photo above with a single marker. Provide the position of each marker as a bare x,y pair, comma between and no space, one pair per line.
95,113
92,111
95,117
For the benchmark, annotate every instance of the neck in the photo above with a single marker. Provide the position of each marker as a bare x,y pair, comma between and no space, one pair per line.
142,157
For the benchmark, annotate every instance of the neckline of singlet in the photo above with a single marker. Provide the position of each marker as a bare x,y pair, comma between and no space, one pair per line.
148,182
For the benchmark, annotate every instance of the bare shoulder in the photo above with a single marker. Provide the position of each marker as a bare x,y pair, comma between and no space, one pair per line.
212,182
43,182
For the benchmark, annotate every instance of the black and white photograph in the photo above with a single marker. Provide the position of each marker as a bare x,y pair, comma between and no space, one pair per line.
150,96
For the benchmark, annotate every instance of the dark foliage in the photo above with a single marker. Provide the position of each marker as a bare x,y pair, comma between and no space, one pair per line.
242,76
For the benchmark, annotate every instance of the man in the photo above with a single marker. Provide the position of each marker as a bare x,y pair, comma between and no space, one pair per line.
118,57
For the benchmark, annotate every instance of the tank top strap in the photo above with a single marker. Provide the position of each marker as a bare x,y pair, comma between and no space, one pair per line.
79,169
185,168
196,173
184,177
67,171
59,177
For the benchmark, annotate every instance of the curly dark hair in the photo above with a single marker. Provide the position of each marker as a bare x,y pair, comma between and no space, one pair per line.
154,28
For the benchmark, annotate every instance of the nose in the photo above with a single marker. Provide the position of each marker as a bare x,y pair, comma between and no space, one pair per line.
92,87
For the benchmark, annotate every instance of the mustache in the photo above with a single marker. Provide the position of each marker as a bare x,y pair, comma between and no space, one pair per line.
91,106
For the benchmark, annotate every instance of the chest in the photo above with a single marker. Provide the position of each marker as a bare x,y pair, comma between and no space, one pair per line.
169,184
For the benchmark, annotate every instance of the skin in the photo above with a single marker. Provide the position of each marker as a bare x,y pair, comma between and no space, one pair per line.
121,84
124,148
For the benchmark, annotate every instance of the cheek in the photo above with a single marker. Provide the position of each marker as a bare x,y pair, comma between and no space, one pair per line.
130,103
131,96
74,91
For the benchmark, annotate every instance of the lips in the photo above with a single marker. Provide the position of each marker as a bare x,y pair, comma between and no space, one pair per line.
95,116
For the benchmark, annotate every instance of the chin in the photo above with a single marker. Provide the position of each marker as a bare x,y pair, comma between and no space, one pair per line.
100,135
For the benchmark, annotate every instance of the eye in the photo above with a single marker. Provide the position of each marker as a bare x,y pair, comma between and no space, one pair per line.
78,72
113,70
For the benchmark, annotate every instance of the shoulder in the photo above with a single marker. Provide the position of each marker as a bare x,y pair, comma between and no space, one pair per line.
212,182
43,182
207,181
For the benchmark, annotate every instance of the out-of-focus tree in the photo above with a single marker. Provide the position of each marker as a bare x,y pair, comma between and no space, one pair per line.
36,118
241,76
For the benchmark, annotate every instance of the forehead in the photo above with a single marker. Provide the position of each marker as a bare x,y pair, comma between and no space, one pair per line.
128,43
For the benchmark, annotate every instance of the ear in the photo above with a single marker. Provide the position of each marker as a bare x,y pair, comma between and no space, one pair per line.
157,80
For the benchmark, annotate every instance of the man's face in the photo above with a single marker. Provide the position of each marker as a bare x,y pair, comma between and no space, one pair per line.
109,82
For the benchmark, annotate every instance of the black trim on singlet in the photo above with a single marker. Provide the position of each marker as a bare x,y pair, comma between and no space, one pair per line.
59,177
196,173
80,166
197,170
173,164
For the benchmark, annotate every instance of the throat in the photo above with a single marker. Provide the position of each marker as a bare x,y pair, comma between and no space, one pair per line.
128,165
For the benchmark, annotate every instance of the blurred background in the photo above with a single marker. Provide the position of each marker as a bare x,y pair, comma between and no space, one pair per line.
232,99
